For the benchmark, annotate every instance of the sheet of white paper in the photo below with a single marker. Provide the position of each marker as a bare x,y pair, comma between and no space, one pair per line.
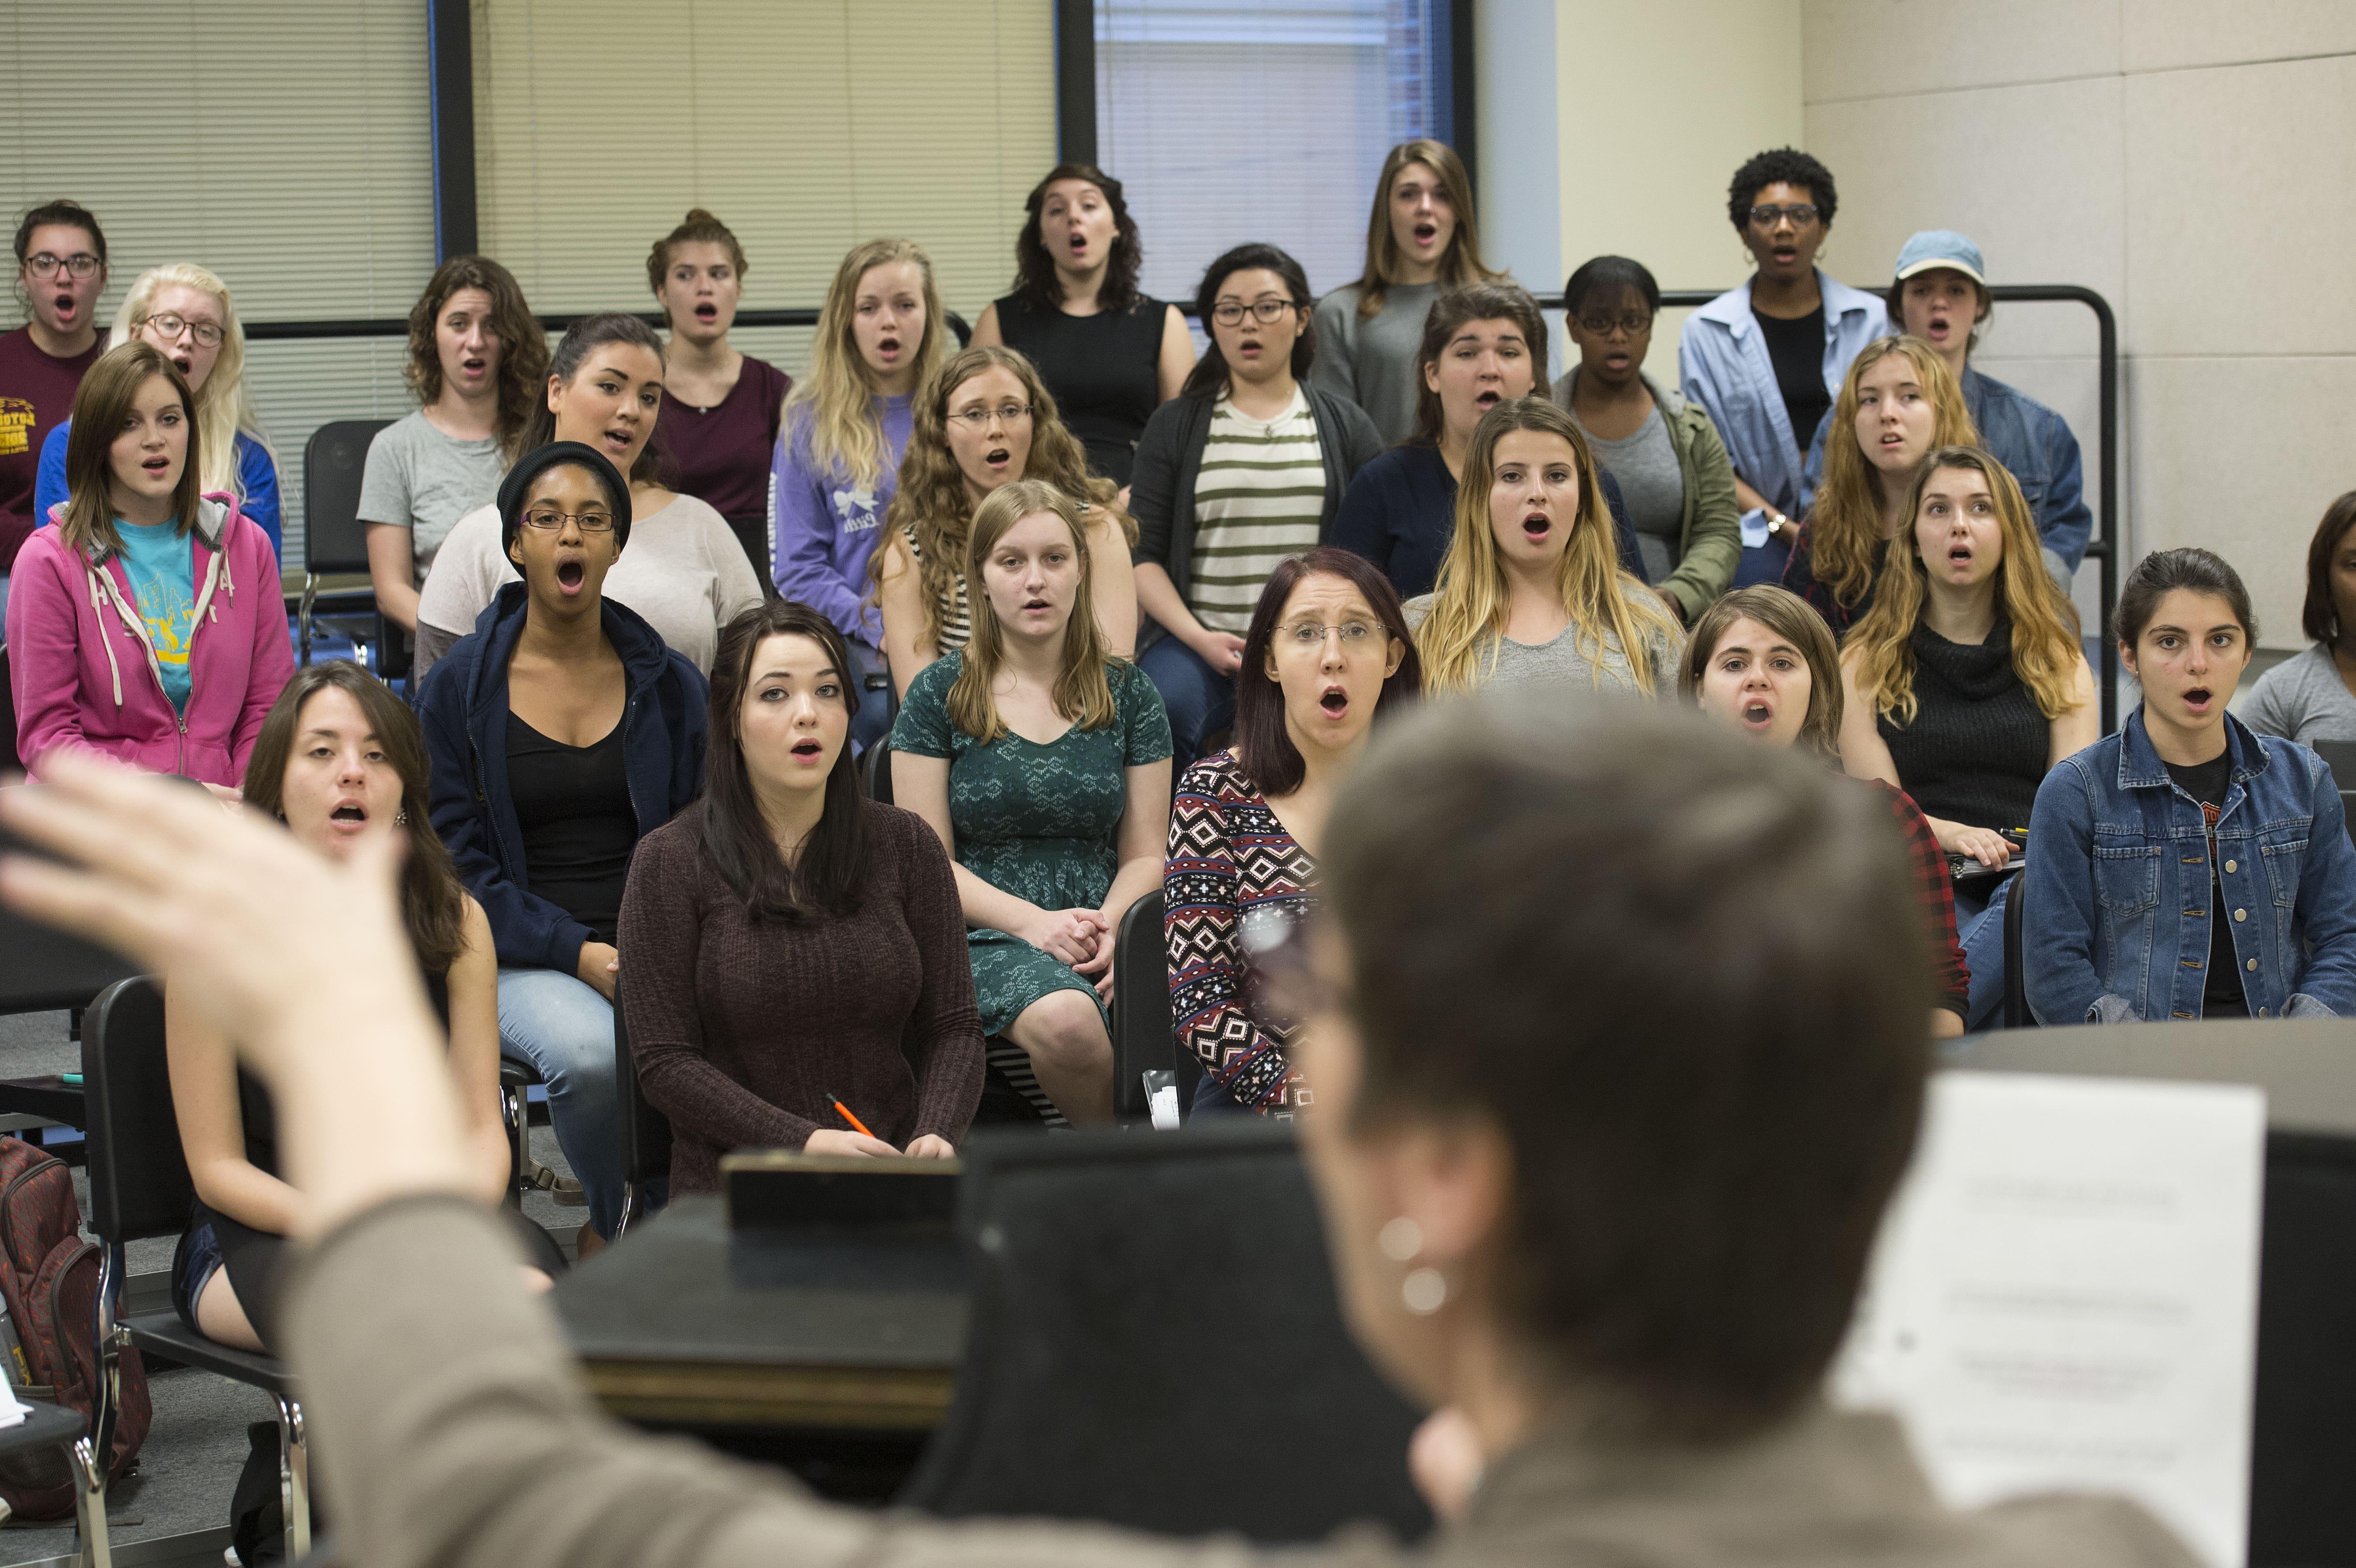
2064,1295
12,1411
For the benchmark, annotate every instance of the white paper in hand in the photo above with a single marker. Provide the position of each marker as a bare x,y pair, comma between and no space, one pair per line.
2064,1296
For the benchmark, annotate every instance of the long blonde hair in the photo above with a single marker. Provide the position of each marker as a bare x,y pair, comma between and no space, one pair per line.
224,408
845,435
2045,651
1844,523
1459,264
931,502
1081,693
1471,601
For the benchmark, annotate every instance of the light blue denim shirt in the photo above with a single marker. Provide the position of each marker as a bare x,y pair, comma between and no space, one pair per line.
1723,364
2118,924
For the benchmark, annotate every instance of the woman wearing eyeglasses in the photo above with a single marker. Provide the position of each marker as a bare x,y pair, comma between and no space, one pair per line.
184,310
1244,468
1670,464
1764,360
562,730
60,272
985,421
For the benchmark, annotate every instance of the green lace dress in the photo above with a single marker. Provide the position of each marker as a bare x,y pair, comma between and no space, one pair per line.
1040,822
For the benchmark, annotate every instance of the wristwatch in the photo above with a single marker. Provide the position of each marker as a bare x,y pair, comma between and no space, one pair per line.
1777,523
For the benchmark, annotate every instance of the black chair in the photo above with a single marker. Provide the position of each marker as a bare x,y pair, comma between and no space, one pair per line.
644,1132
2016,984
42,968
139,1187
1100,1380
2339,756
1142,1038
335,542
52,1426
879,772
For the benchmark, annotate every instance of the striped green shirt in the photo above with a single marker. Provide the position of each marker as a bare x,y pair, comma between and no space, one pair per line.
1258,501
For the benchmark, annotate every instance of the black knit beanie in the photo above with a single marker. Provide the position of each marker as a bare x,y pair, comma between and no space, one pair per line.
517,486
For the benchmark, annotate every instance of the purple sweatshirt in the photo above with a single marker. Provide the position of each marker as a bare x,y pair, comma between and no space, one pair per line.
827,527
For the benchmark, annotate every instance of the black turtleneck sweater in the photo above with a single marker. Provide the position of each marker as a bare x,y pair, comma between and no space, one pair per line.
1976,751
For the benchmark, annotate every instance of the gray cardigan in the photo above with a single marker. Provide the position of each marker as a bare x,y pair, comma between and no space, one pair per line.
1170,456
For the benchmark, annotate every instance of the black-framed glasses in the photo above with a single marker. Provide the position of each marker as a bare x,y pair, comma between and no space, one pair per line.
81,264
1801,214
1308,634
1268,312
1005,413
549,518
1633,324
208,334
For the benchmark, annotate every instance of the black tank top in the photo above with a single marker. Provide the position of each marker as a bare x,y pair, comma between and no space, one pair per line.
579,828
1976,751
1105,370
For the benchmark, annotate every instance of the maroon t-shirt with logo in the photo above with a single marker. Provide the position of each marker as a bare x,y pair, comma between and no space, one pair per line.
37,394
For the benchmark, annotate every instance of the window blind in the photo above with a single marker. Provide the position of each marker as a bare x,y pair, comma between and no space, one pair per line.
806,127
286,147
1227,121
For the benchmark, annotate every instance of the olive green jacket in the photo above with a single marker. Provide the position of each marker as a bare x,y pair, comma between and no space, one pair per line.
1710,545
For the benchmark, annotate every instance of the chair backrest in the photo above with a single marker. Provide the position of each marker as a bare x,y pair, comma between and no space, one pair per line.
644,1132
139,1183
2303,1420
1154,1342
2339,756
42,967
879,771
1141,1039
333,540
8,758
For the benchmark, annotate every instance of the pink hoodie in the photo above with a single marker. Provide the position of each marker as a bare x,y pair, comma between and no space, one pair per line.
83,674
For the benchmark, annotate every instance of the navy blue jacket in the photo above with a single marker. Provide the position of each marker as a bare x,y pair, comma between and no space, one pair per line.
1401,513
465,712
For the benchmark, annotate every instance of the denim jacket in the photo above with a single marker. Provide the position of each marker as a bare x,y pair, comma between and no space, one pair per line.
2117,927
1723,365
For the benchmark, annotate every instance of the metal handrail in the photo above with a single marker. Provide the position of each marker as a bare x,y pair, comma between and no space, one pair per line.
2102,546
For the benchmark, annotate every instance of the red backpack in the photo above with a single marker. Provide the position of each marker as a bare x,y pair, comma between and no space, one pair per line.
48,1273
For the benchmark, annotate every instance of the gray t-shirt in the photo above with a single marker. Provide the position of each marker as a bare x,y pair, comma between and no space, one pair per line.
1645,464
418,479
1563,658
2303,699
1372,362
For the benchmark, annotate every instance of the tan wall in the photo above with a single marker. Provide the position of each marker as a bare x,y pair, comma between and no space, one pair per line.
1659,104
2189,160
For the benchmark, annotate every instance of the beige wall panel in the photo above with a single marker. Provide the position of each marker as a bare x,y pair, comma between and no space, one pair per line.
773,116
2035,175
1864,48
2238,182
2241,456
2168,35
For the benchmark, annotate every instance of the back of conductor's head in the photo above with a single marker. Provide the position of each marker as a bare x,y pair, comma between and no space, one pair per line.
1674,983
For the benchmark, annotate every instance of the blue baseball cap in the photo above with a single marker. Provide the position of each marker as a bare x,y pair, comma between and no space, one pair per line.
1940,248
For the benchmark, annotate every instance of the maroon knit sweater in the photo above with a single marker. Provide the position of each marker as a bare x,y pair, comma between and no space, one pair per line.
741,1030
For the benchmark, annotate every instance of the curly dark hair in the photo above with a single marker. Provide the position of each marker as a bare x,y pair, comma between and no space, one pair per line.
523,346
1783,165
1035,270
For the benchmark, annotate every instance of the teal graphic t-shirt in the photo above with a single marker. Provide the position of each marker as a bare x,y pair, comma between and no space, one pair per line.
162,569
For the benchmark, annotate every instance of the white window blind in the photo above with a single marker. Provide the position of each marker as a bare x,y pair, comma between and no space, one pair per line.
1227,121
286,147
807,126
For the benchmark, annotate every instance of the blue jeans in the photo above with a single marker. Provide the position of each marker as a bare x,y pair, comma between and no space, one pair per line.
564,1028
874,720
1981,932
1201,701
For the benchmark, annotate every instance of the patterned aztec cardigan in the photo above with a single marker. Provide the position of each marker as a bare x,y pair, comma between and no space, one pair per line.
1230,861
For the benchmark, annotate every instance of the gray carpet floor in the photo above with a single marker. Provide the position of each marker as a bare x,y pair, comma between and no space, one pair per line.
189,1465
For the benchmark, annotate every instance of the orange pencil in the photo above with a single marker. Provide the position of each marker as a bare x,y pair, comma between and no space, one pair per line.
856,1124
